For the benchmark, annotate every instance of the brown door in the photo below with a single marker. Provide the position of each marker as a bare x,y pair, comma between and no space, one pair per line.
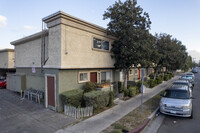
51,91
93,77
138,73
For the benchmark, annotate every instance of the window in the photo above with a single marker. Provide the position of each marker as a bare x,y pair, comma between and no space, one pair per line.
130,72
105,77
83,77
100,44
136,72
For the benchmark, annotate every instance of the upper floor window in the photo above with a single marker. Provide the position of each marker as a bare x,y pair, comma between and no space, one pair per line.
100,44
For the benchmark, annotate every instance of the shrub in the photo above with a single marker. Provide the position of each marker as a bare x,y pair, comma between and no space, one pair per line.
166,77
139,84
97,99
126,92
171,75
111,98
72,97
120,87
151,76
132,91
152,83
89,86
159,80
161,76
128,86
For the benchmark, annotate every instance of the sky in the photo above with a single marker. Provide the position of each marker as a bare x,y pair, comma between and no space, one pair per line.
179,18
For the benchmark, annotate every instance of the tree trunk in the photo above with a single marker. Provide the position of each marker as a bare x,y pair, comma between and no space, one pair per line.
125,78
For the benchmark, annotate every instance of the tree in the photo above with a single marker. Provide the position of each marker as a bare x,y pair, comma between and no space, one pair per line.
130,25
188,63
172,53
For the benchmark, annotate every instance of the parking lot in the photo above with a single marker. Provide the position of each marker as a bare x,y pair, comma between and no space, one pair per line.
23,116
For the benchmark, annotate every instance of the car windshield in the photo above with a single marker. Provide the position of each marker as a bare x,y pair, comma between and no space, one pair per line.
176,94
179,83
187,77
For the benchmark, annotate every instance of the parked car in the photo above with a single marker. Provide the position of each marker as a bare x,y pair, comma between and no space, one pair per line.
190,74
177,101
3,84
183,82
189,78
194,70
2,77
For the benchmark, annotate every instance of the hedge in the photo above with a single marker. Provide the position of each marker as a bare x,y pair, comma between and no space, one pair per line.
97,99
159,80
72,97
126,92
120,87
132,91
89,86
152,83
166,77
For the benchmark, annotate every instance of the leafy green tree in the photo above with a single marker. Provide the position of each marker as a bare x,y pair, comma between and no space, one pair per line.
172,53
130,25
188,63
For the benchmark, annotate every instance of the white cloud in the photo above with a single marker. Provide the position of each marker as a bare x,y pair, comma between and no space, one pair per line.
29,27
3,21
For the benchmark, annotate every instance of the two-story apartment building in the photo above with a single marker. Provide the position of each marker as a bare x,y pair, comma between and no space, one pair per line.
6,62
74,52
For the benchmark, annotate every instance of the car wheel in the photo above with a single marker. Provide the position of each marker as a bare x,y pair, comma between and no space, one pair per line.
191,116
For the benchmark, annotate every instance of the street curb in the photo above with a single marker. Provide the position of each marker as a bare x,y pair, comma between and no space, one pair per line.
145,123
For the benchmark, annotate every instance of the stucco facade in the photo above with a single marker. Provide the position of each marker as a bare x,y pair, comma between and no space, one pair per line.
28,51
75,43
71,57
7,59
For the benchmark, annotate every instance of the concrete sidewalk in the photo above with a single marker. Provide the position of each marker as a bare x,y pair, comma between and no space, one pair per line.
103,120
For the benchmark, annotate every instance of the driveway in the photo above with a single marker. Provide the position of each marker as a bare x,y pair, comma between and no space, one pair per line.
24,116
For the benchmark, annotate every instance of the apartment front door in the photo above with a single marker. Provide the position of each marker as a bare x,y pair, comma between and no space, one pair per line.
51,91
93,77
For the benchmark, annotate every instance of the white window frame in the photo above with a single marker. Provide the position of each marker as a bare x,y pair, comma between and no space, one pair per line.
98,48
88,75
110,75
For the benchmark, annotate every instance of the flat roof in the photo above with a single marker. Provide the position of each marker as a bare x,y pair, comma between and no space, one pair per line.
6,50
60,14
28,38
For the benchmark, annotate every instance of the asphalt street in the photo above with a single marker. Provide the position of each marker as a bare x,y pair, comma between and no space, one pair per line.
173,124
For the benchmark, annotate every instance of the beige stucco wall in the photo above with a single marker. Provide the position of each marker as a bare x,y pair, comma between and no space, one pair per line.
4,60
78,52
28,54
54,48
7,59
33,80
134,75
11,59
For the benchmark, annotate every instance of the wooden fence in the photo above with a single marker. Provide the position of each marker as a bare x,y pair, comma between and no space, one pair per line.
78,112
